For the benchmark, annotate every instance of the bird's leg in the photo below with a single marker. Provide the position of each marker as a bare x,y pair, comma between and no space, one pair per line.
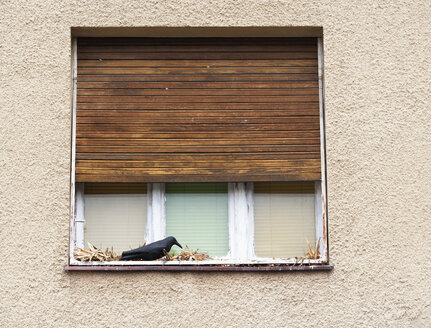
168,257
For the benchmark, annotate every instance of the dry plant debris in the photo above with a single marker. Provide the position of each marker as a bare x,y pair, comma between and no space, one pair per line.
95,254
187,255
140,245
313,252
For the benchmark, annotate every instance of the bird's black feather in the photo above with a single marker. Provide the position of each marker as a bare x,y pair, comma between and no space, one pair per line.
151,251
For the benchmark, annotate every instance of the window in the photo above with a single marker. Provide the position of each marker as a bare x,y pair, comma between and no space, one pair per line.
218,142
229,221
115,215
284,217
198,213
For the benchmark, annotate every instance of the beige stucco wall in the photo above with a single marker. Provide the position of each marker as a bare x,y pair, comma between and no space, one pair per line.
377,70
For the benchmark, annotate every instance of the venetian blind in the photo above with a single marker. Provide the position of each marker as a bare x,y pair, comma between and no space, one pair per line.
284,218
116,215
197,215
194,110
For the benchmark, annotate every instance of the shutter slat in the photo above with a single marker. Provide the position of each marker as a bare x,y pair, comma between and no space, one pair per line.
196,142
197,120
197,135
208,176
197,113
195,63
190,110
245,163
200,78
247,48
198,92
196,149
199,55
245,128
193,70
196,157
198,99
195,85
209,106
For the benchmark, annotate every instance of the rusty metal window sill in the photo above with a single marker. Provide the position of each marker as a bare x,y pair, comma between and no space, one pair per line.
255,268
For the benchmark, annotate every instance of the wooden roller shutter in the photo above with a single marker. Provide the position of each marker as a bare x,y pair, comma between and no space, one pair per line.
185,110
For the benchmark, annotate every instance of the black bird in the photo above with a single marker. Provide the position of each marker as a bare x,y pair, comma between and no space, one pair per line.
151,251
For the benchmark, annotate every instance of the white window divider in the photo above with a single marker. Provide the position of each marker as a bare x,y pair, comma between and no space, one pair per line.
156,215
241,221
79,219
318,209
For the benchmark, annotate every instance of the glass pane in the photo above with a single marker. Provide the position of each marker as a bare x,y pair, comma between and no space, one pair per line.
197,216
115,215
284,218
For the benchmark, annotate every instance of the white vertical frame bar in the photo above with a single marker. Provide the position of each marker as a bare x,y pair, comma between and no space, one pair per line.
79,217
324,222
72,230
231,219
249,191
241,221
318,210
156,212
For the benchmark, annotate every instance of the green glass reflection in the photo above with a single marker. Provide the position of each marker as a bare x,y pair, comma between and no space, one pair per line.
197,216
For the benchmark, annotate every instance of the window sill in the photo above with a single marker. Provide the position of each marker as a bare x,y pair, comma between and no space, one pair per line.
202,267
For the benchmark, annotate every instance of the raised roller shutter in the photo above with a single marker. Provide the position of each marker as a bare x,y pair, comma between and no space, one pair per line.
187,110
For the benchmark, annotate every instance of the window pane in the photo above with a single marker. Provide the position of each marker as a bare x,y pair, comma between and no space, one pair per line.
284,218
115,215
197,215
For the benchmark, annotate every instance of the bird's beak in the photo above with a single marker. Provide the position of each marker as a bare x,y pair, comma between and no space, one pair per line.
178,244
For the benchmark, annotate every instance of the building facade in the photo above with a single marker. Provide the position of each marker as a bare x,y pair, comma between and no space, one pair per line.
378,159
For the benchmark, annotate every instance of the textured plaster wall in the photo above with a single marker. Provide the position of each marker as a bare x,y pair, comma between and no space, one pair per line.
377,70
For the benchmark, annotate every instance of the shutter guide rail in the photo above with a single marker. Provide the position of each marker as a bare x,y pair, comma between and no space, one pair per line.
72,224
322,227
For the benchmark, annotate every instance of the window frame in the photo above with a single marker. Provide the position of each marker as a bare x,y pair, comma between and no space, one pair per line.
240,198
